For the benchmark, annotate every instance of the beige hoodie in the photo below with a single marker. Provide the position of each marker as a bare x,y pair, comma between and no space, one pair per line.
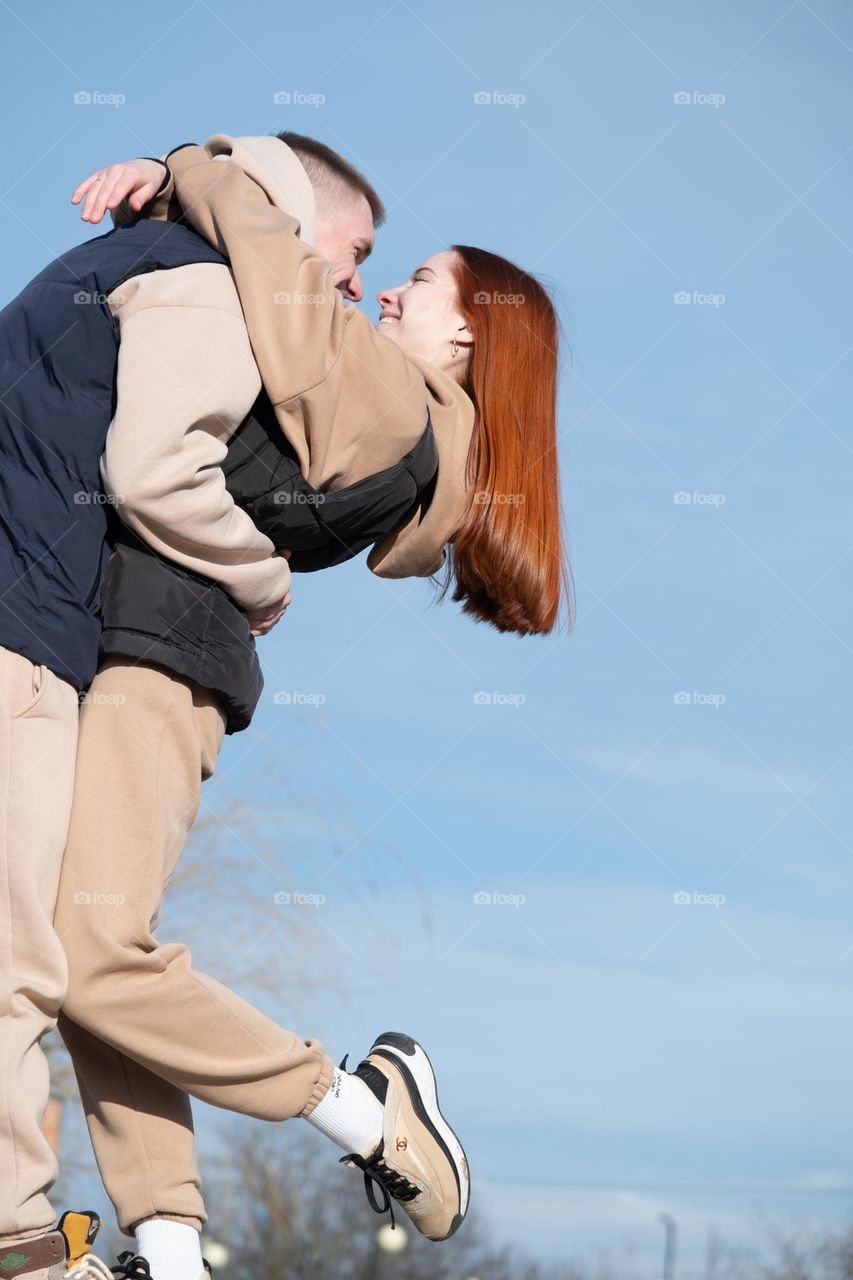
346,397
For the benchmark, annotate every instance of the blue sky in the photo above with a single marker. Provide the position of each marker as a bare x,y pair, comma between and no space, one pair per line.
600,1034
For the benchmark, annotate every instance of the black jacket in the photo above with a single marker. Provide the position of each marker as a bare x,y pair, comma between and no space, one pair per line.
58,354
159,612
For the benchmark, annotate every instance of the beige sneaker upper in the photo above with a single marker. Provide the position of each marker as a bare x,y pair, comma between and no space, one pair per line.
422,1174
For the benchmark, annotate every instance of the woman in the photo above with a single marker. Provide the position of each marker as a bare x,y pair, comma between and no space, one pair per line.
469,344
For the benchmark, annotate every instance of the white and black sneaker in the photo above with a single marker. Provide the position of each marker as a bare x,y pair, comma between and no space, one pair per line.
132,1266
419,1161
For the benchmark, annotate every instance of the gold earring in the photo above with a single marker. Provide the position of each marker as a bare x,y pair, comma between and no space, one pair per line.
454,349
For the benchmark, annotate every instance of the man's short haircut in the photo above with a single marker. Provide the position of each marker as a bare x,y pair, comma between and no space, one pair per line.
332,177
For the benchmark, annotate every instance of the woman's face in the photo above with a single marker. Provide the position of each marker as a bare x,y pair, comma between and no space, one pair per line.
423,318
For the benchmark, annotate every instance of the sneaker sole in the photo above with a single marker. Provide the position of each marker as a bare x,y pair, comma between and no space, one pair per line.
412,1061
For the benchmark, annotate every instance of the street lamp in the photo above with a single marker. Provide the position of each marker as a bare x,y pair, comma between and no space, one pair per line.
391,1239
215,1253
669,1246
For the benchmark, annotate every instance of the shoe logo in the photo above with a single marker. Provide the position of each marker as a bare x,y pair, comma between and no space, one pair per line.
402,1144
13,1260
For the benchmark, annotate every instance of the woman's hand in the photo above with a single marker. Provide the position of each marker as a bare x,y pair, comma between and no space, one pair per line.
263,620
138,181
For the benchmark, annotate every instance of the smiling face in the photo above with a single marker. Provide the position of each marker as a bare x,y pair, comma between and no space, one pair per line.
422,316
344,236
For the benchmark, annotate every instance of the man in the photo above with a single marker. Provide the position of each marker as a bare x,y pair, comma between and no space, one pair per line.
185,376
57,393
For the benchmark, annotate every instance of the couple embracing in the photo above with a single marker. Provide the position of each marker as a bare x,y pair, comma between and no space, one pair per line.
193,408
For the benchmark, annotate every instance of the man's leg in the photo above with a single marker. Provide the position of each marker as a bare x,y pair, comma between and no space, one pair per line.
38,734
147,739
140,1125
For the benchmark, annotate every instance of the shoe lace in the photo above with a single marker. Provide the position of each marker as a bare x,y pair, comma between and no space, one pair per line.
89,1268
392,1185
130,1267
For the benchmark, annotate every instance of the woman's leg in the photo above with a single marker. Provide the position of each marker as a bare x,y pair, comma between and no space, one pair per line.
147,739
141,1129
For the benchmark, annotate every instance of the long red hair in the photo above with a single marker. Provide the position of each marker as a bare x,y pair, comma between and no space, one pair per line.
507,562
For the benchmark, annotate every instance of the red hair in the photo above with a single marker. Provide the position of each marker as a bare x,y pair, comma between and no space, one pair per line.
507,562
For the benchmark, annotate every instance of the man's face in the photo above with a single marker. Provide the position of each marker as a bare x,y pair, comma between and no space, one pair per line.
344,237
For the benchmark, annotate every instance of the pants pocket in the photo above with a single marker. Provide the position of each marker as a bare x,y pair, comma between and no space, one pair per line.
27,684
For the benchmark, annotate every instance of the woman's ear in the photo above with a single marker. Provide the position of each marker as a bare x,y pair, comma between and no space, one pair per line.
464,336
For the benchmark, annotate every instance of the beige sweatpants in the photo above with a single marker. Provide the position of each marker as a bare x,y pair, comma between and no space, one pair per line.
143,1027
38,733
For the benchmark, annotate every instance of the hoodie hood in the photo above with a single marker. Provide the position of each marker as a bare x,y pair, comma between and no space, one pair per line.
278,172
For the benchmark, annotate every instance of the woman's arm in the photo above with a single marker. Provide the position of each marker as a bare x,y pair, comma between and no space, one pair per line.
126,187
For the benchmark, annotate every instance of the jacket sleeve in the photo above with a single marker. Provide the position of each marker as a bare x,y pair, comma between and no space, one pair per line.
186,379
320,361
160,207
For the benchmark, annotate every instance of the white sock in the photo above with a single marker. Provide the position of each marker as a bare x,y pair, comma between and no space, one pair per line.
173,1249
350,1114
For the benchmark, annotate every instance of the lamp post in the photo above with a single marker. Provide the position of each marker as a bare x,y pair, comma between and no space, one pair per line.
669,1246
215,1253
391,1239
